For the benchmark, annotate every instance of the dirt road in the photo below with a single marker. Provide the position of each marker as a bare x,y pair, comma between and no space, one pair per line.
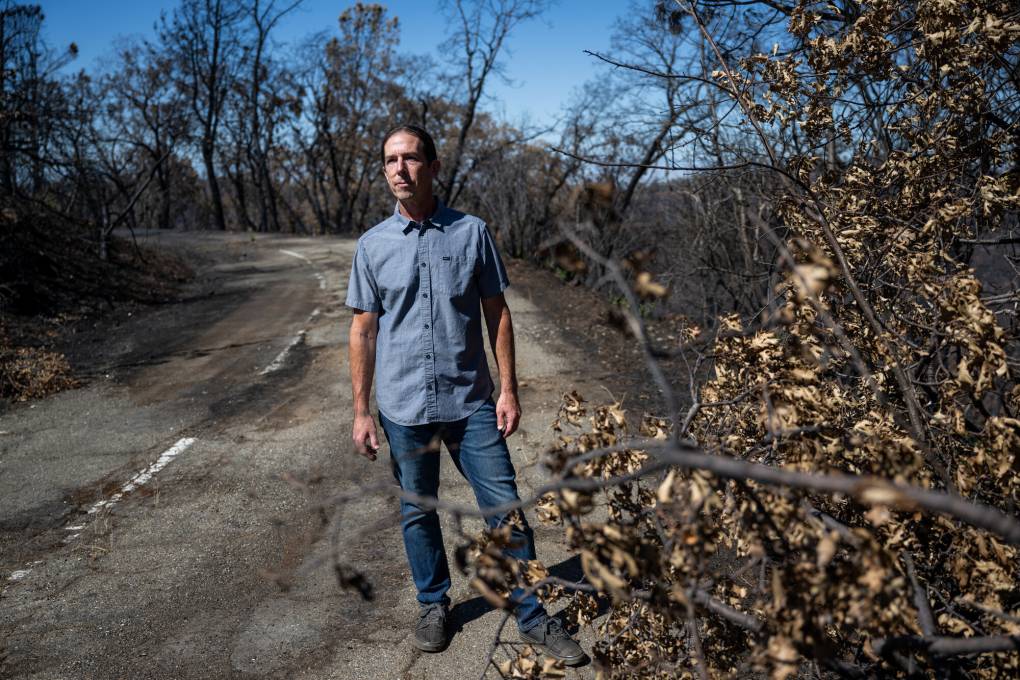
165,520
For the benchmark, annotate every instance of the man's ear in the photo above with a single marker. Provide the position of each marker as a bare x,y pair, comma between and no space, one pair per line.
435,167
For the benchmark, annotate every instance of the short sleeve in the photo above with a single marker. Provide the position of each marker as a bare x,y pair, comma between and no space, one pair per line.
492,278
362,291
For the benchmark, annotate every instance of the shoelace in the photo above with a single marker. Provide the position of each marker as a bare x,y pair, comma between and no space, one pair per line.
431,615
554,629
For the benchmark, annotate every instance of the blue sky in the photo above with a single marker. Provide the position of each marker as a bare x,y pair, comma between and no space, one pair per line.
547,60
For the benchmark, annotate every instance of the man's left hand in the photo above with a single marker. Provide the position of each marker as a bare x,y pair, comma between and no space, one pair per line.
508,413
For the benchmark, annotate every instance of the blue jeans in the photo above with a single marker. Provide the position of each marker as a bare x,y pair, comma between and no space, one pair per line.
480,454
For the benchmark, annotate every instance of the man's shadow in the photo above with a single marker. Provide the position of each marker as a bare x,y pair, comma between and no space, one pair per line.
467,611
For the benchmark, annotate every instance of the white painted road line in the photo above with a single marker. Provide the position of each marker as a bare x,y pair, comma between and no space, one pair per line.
141,479
278,361
321,278
282,356
144,476
297,255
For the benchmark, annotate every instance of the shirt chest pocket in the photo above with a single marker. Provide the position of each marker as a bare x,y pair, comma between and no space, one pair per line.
452,274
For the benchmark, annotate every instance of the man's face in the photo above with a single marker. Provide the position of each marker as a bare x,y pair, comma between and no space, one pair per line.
407,171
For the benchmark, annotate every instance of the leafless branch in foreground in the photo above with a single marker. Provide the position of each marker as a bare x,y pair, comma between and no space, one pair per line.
869,491
948,646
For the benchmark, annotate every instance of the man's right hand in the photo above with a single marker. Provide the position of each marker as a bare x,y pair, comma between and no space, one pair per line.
366,440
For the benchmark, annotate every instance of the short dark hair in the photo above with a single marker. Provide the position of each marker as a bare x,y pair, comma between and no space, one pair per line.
420,133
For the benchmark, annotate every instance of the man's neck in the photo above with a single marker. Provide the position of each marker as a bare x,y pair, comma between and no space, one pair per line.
416,212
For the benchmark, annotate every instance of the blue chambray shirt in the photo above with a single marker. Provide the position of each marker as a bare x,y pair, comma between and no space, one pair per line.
426,282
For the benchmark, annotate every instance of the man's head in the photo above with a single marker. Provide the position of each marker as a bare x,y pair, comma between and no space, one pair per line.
410,163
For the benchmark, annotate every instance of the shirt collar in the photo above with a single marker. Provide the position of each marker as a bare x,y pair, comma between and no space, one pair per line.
437,219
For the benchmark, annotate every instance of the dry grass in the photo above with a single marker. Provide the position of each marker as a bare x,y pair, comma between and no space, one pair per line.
32,373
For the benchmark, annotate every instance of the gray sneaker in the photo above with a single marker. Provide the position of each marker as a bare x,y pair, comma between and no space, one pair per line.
430,633
555,642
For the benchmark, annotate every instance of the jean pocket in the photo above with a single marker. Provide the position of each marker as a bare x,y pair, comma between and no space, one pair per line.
453,275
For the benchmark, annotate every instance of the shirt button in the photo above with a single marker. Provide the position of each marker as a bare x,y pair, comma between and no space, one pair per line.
429,387
426,326
423,264
424,295
428,356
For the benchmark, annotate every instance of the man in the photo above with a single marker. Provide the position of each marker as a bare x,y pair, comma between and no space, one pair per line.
419,285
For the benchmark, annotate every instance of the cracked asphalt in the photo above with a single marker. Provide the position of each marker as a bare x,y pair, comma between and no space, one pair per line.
222,565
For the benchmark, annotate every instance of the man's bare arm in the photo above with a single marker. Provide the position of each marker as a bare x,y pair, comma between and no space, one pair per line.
501,339
361,353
